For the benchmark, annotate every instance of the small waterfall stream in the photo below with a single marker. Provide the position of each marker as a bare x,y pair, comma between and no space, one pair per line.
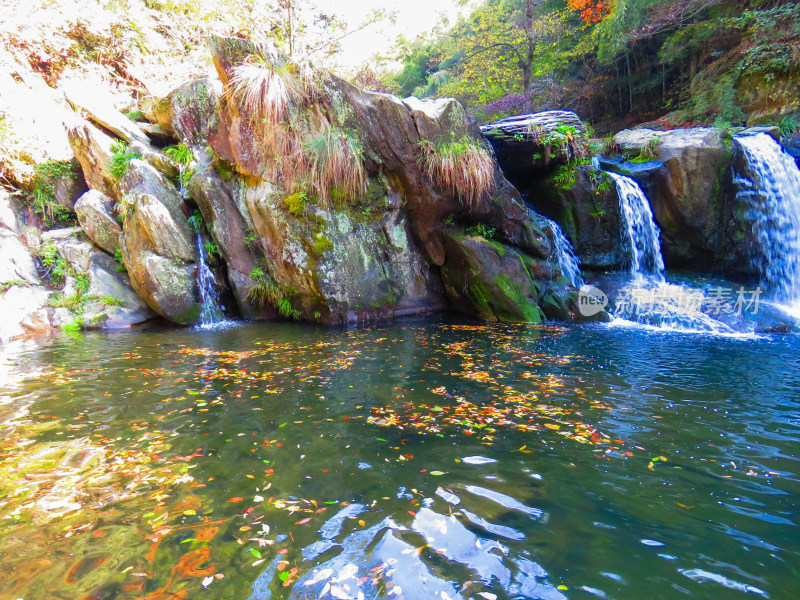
566,257
639,229
770,183
211,311
649,299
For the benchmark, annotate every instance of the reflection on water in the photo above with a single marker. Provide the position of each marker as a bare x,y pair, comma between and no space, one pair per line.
419,460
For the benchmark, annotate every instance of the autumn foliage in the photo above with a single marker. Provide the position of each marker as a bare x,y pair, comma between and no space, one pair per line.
592,11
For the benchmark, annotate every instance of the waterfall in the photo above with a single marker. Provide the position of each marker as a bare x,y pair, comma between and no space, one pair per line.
211,310
649,299
566,257
639,229
770,183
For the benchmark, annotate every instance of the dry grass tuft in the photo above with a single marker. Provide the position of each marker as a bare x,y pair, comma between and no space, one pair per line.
265,86
462,167
335,167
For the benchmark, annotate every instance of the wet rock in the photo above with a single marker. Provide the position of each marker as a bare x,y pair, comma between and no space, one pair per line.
686,175
588,213
96,215
490,280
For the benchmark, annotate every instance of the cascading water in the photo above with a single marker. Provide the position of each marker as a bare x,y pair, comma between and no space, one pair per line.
769,182
639,229
566,257
211,310
649,299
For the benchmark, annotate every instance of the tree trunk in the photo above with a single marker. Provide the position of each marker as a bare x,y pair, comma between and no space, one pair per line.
630,81
527,62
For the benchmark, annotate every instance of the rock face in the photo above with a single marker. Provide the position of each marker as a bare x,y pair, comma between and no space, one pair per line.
328,208
588,212
96,215
231,228
393,244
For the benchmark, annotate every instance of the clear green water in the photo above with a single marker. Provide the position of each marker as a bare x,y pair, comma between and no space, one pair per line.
282,461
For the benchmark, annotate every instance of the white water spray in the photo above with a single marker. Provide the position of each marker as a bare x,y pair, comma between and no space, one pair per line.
566,257
649,299
211,310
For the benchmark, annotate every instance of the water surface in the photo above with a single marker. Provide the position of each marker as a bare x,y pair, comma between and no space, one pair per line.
429,459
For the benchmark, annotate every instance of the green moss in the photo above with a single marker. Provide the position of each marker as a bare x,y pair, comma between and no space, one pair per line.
515,294
322,244
479,295
297,204
135,115
498,247
225,169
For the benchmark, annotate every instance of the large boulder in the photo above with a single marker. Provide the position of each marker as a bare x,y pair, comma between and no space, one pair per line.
158,245
499,282
96,215
588,213
536,142
25,311
110,301
70,185
372,253
101,111
93,149
340,267
192,111
686,174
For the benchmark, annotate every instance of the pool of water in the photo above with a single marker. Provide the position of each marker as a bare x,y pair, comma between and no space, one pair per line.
424,459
